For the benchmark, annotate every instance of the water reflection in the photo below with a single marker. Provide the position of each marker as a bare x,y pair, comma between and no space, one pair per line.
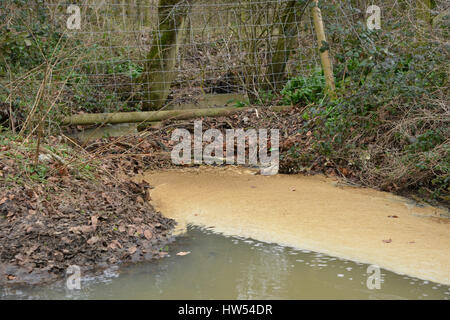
234,268
264,274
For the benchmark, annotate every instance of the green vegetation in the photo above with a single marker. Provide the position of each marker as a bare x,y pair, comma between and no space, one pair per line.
389,119
304,89
17,160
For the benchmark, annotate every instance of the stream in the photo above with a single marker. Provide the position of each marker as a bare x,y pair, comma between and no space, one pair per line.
220,267
241,235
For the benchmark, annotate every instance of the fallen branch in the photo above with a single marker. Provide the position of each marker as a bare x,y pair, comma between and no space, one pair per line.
152,116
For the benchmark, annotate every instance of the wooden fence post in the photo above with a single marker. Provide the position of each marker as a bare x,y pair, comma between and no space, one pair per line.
323,47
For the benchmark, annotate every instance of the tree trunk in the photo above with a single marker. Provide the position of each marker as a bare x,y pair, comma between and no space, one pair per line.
423,16
159,70
284,47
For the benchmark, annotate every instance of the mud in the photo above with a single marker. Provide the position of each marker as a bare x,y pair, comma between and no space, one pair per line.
313,213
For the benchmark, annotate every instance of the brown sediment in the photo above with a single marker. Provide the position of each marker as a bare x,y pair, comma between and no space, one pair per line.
310,212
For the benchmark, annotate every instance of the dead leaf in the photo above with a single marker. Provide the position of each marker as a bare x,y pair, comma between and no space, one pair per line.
19,256
137,220
115,244
139,230
132,250
148,234
131,230
66,240
394,217
62,171
122,229
182,253
58,256
84,229
387,241
32,249
94,222
148,195
93,240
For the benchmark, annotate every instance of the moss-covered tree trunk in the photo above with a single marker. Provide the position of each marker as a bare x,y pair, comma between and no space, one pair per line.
423,17
283,48
289,19
423,12
160,62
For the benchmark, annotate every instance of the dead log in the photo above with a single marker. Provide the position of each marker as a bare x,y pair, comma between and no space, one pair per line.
153,116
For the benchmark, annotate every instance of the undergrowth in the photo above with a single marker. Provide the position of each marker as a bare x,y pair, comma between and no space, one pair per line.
388,122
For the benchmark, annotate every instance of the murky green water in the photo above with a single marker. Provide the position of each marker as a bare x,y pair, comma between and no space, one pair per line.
233,268
109,130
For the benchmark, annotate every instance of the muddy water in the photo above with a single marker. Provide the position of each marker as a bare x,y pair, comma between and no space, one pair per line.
220,267
312,213
210,101
109,130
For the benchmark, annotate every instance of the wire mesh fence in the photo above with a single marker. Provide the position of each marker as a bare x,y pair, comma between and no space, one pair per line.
111,55
179,52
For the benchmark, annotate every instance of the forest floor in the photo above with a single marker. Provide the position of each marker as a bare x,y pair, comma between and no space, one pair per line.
78,206
64,212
